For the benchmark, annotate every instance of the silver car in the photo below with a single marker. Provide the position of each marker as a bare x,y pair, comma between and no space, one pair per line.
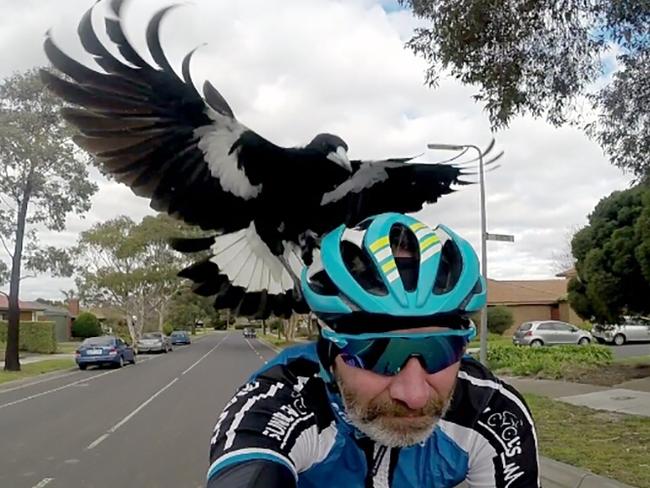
154,342
548,332
633,329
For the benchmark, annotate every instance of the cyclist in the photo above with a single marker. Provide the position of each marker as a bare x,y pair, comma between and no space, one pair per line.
386,397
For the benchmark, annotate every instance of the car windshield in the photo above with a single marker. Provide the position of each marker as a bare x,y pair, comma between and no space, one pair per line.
98,341
152,335
179,334
525,326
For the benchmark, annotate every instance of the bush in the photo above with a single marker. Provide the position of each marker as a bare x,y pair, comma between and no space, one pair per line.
168,329
219,324
499,319
275,324
546,361
86,325
37,337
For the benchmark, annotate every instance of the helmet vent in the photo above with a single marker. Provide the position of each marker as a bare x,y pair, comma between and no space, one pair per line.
449,270
362,269
322,284
406,250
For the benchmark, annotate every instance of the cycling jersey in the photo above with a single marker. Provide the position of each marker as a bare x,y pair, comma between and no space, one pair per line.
286,424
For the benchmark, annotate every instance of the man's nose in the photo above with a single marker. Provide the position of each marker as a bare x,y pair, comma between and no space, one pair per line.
410,385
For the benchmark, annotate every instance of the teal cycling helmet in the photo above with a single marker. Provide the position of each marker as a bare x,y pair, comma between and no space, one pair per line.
393,272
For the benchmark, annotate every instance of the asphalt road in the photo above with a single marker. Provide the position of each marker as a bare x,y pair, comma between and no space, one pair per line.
146,425
630,350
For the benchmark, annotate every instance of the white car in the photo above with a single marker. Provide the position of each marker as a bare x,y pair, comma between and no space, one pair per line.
633,329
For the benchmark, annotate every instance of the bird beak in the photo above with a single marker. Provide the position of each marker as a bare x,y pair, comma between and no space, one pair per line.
340,157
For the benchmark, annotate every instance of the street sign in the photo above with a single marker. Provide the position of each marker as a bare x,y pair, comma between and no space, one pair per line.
500,237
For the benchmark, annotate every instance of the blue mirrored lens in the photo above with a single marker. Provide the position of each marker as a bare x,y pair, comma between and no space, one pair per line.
388,354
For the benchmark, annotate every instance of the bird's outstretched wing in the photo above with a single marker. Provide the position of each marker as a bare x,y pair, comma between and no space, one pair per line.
153,130
392,185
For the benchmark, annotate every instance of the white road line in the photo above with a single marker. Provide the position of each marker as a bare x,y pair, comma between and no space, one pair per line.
45,380
43,482
110,431
38,382
256,351
203,357
97,441
15,402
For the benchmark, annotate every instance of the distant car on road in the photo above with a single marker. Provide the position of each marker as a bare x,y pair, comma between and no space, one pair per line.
250,333
633,329
110,350
180,337
550,332
154,342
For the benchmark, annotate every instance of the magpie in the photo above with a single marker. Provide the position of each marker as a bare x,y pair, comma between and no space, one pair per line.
265,206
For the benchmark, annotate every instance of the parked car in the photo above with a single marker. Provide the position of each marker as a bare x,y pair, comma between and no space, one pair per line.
548,332
250,333
97,351
154,342
632,329
180,337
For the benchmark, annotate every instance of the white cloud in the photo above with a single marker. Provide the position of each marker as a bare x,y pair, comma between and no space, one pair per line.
293,68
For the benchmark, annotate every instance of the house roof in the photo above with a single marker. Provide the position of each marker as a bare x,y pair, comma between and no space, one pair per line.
24,306
568,273
526,292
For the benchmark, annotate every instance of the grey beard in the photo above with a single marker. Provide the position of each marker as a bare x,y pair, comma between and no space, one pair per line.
392,431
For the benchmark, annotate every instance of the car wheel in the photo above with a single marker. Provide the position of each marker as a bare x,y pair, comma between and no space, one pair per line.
120,363
536,343
83,367
133,360
619,339
584,341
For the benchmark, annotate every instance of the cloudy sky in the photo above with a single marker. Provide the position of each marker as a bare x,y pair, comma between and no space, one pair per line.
294,68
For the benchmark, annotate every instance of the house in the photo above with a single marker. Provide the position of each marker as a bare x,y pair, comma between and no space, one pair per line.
29,311
532,300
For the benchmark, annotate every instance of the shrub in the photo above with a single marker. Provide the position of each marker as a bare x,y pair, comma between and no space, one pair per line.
168,329
86,325
546,361
219,324
499,319
275,324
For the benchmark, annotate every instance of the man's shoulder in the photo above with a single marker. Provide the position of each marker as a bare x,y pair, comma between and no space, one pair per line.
292,365
479,392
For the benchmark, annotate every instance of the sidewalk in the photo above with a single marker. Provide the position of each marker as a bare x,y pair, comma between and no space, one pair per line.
631,397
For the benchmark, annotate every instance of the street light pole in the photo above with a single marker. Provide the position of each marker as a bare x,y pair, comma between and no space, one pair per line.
460,147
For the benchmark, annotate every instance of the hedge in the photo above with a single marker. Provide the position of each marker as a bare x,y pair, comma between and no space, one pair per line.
37,337
547,361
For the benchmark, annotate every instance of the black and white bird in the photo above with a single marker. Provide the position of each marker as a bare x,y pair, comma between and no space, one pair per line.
266,205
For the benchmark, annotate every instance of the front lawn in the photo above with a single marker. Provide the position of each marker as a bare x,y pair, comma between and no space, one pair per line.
37,368
610,444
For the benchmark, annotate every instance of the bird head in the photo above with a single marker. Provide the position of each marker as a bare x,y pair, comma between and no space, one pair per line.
333,147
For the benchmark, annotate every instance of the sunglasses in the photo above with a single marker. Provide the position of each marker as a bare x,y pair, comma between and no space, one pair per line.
387,353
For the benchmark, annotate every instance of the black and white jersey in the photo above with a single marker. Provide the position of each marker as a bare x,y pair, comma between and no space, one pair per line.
286,416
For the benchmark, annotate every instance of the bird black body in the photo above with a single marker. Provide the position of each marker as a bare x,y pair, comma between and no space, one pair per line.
266,205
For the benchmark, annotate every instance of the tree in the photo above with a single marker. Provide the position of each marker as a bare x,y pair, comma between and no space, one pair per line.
187,308
542,58
613,258
86,325
42,180
130,266
499,319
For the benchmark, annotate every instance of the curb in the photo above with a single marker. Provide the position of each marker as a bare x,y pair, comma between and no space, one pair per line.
557,474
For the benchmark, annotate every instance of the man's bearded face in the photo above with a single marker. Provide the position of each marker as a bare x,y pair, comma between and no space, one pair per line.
396,411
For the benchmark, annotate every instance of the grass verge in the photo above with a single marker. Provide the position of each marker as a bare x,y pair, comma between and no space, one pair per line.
35,369
613,445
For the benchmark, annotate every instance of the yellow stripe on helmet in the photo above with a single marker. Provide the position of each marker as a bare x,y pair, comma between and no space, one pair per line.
379,243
